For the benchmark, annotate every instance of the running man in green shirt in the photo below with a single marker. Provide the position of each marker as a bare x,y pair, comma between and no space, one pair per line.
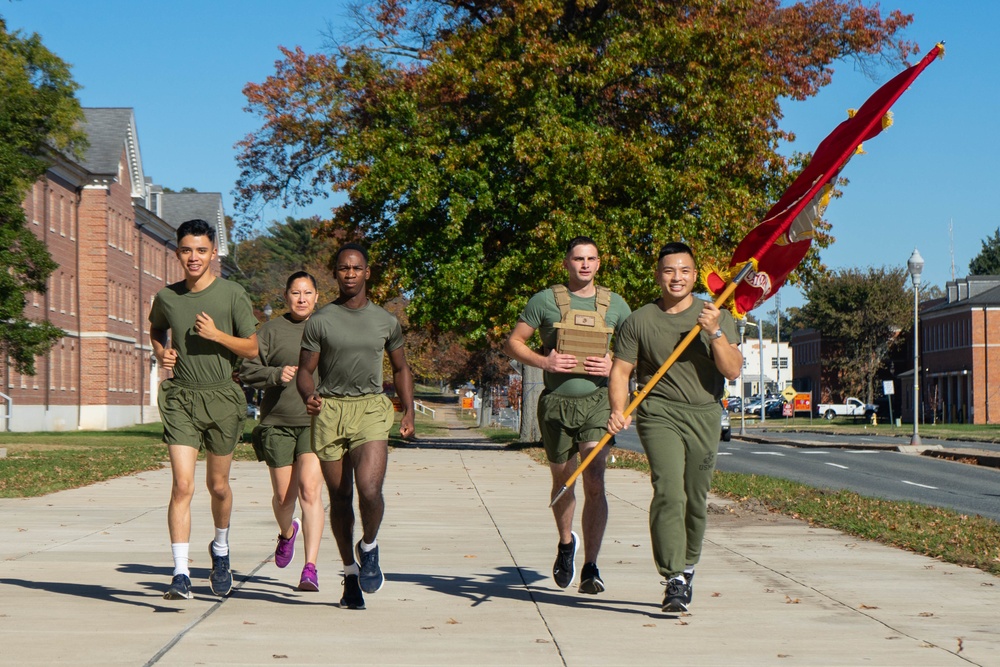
573,409
211,326
346,340
678,421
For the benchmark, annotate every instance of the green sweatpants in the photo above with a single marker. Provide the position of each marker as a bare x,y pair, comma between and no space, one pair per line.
681,443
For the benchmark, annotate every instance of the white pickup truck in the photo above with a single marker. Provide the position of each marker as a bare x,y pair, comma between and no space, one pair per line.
852,407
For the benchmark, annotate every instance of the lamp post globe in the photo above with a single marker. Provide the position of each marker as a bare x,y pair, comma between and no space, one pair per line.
268,311
915,266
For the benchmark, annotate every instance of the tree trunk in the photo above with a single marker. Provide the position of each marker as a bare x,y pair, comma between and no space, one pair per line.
485,406
531,389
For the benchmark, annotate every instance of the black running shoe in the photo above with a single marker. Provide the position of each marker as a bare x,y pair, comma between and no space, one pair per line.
564,569
371,577
221,577
590,579
678,596
352,598
690,586
180,588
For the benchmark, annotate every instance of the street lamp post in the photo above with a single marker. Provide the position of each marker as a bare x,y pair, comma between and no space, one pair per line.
915,265
760,342
741,325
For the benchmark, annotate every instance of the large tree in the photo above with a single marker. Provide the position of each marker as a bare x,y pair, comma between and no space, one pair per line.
475,138
987,262
39,112
861,314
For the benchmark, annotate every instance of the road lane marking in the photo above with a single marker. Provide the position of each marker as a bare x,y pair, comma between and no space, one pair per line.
816,451
836,465
725,453
923,486
768,453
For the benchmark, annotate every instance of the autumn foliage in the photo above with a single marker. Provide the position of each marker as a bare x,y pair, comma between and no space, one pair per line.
475,138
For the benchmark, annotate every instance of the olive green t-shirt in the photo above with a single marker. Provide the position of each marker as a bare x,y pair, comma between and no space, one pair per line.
351,344
542,312
278,342
201,361
649,336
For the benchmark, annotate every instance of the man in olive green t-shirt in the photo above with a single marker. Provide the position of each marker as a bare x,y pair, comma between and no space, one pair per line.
211,326
573,408
346,341
678,422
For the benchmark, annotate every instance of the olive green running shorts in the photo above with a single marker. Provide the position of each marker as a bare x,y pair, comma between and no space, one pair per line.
280,446
206,417
567,421
345,422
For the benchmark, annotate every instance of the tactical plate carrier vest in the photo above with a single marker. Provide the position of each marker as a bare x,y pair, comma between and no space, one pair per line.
582,333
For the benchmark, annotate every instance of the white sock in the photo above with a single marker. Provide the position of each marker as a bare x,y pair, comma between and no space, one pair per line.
353,568
221,544
180,553
688,570
365,547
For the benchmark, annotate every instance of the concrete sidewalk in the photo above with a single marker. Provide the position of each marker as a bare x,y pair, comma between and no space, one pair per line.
467,547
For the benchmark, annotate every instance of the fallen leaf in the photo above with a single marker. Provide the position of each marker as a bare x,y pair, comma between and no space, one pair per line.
716,595
279,655
866,606
649,625
789,600
426,627
249,623
452,621
469,556
926,614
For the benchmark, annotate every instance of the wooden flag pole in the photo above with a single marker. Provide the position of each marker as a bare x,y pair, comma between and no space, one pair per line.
726,293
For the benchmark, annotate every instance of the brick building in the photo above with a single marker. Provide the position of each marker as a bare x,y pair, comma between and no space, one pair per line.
960,355
112,233
959,358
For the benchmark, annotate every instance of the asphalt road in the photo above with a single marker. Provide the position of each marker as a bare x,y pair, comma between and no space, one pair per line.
878,473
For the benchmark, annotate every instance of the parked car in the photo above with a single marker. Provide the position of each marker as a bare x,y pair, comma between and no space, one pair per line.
768,406
727,431
852,407
733,404
775,408
253,411
750,404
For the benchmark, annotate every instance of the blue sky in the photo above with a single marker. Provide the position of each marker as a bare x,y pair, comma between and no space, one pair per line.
182,66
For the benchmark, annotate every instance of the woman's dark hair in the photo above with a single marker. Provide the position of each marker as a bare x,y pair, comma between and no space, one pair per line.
300,274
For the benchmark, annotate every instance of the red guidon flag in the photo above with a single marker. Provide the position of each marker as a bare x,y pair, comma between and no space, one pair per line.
777,245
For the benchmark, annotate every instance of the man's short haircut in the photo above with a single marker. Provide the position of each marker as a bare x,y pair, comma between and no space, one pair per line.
196,227
676,248
299,274
350,246
581,240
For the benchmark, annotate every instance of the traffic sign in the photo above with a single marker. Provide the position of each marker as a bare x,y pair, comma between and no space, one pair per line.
789,393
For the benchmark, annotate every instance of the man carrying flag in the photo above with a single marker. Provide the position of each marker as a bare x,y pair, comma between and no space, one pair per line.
678,423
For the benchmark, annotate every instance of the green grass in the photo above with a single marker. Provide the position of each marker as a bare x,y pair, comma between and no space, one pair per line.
936,532
44,462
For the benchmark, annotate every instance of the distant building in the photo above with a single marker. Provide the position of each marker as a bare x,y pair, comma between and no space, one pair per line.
112,233
959,358
777,369
959,355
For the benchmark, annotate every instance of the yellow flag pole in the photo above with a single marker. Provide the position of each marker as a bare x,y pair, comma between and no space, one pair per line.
726,293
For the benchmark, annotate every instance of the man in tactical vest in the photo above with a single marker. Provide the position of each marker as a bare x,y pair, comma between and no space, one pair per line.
575,322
